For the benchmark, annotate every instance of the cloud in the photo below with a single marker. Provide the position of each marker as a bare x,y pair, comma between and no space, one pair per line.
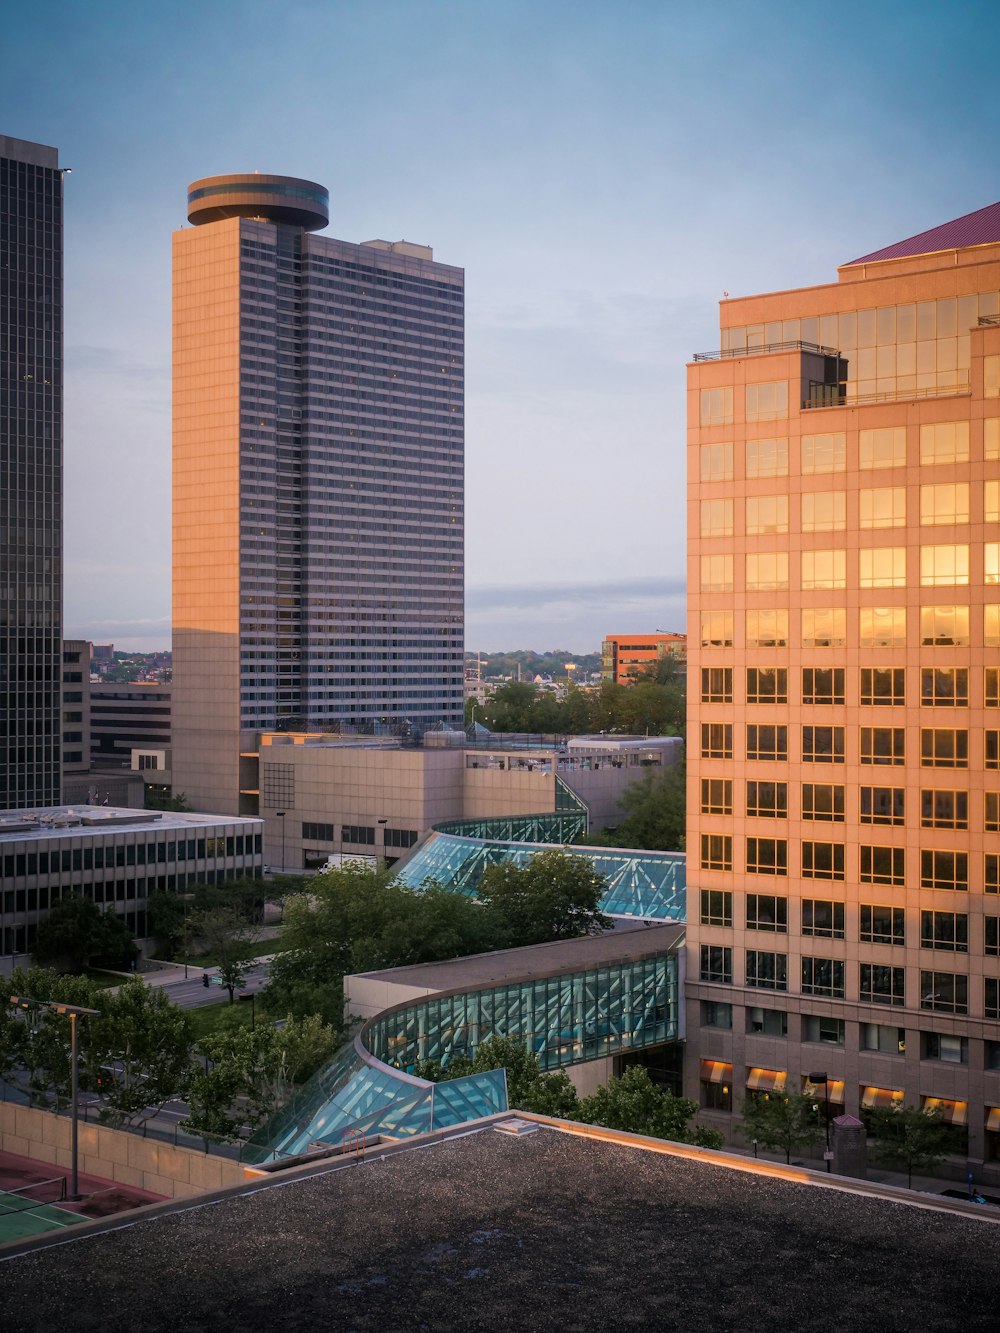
539,596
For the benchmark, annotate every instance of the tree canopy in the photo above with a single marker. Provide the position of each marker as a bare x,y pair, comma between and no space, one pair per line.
657,811
909,1138
650,706
552,896
782,1121
77,934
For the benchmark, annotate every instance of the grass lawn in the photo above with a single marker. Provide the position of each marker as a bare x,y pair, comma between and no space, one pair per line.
104,979
207,1017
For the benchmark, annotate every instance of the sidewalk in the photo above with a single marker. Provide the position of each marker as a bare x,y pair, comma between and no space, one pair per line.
878,1175
172,974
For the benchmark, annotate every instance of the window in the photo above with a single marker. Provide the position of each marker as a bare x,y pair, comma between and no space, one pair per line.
717,964
944,870
767,856
882,985
767,685
317,832
400,837
717,406
991,749
883,687
716,573
822,745
716,907
824,627
716,1014
824,511
767,800
716,740
882,567
991,626
991,999
716,518
717,685
879,1037
944,809
767,742
882,507
944,930
944,442
944,626
991,937
943,1046
823,976
767,971
991,562
882,925
357,833
883,745
824,453
882,627
944,687
817,1028
823,685
822,917
944,504
717,629
991,812
883,805
824,569
944,747
716,796
766,514
991,873
717,462
944,566
991,376
767,912
767,629
882,448
716,851
823,801
767,458
772,1022
991,438
767,571
991,501
768,401
822,860
883,865
991,688
945,992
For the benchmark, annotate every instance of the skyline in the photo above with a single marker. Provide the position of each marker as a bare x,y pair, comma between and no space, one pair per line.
590,172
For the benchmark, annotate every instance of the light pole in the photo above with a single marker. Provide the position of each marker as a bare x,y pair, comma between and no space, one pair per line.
72,1012
824,1079
280,814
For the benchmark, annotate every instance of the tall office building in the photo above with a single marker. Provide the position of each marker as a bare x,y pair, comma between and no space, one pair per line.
318,482
844,799
30,473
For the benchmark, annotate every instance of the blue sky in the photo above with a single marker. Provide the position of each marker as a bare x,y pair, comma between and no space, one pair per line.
602,171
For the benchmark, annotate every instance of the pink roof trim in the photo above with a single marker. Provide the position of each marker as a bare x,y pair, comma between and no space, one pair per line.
979,228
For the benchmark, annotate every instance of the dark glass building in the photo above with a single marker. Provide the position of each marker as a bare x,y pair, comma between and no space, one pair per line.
30,473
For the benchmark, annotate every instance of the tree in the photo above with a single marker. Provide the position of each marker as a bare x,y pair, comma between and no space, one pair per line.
781,1121
77,933
657,811
552,896
230,940
907,1137
528,1089
635,1105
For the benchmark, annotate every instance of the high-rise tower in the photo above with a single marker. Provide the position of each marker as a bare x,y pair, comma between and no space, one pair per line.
318,481
30,472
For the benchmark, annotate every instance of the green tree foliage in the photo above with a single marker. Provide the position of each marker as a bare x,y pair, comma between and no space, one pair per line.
160,797
229,940
528,1089
657,813
907,1138
635,1105
173,917
646,707
77,934
782,1121
553,896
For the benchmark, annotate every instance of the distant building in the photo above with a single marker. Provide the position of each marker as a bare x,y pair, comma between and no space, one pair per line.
128,717
626,657
76,654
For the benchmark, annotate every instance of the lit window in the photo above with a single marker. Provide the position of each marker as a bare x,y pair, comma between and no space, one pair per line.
716,740
766,514
944,747
767,856
882,567
823,860
882,626
717,629
991,562
882,507
767,685
824,627
716,907
944,687
882,448
824,511
944,626
767,402
823,685
944,809
716,518
882,925
717,685
991,439
716,796
944,870
717,462
767,458
765,911
991,376
944,566
824,453
945,503
824,569
767,571
945,442
767,629
717,406
823,802
883,865
716,851
767,800
716,573
991,626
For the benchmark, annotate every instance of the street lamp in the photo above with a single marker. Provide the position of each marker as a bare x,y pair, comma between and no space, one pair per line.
280,814
72,1012
824,1079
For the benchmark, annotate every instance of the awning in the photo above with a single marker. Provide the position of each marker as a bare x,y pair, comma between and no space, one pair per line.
716,1071
952,1113
993,1119
880,1099
835,1091
766,1080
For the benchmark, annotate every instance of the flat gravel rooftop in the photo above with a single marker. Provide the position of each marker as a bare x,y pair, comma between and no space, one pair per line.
548,1231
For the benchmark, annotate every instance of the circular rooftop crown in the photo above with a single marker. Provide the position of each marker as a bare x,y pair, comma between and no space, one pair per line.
275,198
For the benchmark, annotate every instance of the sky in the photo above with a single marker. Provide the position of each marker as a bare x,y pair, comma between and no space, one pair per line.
603,172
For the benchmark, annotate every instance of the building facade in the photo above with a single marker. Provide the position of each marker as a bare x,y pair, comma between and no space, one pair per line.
318,491
844,757
627,657
31,355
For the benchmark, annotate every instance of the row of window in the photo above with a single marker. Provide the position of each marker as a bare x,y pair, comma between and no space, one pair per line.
940,442
945,992
939,868
68,859
881,687
826,627
825,802
941,566
940,747
357,833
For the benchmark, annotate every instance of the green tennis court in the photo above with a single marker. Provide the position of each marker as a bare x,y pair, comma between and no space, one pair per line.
22,1216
